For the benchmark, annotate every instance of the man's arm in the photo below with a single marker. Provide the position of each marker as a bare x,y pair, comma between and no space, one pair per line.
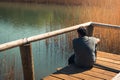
97,40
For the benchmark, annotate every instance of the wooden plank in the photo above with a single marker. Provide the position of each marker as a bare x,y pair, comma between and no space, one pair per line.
105,72
12,44
109,60
51,78
97,75
108,64
104,69
70,69
106,25
85,77
65,77
73,71
95,72
108,55
27,62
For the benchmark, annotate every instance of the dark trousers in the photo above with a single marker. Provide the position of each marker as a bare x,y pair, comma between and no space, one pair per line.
71,59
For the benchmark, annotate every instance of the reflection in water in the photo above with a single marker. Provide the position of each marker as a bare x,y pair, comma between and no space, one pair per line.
49,54
24,20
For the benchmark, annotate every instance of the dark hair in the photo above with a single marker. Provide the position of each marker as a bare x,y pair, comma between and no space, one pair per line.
82,31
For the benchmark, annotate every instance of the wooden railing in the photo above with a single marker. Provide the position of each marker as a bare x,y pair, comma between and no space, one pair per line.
25,45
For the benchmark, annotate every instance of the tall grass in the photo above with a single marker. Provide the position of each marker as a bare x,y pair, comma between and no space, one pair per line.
105,13
110,39
7,68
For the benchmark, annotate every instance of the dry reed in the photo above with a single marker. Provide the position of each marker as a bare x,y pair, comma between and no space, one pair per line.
108,12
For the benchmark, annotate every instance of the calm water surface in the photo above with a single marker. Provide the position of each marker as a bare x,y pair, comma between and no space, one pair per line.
24,20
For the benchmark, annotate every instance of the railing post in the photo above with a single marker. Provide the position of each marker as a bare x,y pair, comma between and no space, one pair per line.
90,30
27,61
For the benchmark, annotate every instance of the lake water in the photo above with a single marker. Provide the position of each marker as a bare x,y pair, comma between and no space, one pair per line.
24,20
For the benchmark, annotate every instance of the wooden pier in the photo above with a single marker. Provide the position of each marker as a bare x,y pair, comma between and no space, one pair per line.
106,68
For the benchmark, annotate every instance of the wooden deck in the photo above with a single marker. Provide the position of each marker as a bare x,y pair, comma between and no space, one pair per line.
107,66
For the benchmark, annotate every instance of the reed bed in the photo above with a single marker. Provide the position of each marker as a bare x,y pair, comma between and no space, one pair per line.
110,39
106,11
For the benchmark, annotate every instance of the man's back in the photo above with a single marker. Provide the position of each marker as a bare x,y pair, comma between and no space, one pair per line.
84,48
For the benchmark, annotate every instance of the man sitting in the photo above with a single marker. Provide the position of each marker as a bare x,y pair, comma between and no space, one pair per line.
84,49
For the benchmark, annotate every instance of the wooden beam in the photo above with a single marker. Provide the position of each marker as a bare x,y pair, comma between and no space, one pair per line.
12,44
90,30
57,32
19,42
105,25
27,62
